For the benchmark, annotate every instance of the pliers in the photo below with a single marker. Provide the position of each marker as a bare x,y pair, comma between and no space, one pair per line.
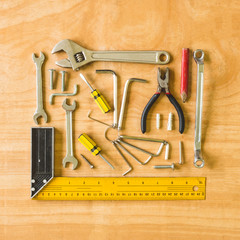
163,84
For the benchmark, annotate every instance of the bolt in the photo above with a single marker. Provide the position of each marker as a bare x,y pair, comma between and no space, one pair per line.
51,78
164,166
63,80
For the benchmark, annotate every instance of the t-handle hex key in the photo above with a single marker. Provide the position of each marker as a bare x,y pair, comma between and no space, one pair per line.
163,84
198,161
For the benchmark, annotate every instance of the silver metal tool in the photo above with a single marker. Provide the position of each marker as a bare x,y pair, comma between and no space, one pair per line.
121,137
96,120
115,96
63,80
115,144
63,94
172,166
40,112
124,99
180,153
69,158
51,78
90,164
198,160
79,56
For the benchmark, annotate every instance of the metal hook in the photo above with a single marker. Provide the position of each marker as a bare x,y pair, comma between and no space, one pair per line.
96,120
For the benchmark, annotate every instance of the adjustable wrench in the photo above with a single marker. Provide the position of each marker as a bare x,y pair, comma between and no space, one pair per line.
69,155
40,112
79,56
198,161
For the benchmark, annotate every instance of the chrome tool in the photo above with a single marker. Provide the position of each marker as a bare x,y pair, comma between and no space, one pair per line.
63,94
79,56
40,112
69,158
115,102
198,160
124,99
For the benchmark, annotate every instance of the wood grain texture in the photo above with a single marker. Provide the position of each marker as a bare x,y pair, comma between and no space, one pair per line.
33,26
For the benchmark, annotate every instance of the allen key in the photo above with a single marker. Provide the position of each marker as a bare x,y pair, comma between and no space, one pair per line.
130,167
124,99
115,97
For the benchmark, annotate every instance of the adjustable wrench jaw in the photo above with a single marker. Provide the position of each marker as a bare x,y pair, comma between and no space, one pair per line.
77,55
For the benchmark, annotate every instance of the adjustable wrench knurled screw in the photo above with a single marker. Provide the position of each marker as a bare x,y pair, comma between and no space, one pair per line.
69,155
40,112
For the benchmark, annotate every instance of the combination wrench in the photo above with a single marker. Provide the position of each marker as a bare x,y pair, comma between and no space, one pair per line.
40,112
69,140
79,56
198,160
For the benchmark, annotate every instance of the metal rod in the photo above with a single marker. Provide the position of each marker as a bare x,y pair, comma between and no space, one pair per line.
143,139
115,96
106,161
130,167
96,120
124,99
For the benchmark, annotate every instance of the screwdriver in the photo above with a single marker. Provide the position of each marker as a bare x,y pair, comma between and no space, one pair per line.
91,146
98,97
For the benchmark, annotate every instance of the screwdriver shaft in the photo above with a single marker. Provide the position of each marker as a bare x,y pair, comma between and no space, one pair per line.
106,161
85,80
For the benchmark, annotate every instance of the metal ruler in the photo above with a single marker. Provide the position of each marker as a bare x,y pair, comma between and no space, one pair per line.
132,188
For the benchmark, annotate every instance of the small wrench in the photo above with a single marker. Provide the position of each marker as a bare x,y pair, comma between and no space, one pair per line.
69,155
198,161
79,56
40,112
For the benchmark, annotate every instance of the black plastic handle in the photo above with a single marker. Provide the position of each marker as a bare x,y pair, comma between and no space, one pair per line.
179,111
146,110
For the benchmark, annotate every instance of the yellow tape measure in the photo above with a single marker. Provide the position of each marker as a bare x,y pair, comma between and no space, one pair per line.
113,188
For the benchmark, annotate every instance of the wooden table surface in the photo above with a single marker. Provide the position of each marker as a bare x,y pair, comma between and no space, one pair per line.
28,27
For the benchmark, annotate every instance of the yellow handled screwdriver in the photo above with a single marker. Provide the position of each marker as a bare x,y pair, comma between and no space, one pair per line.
91,146
98,97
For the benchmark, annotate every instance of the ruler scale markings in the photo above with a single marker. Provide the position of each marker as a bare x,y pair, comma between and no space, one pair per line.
64,188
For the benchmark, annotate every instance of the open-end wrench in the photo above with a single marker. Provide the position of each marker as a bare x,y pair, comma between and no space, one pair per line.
198,161
40,112
79,56
69,155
